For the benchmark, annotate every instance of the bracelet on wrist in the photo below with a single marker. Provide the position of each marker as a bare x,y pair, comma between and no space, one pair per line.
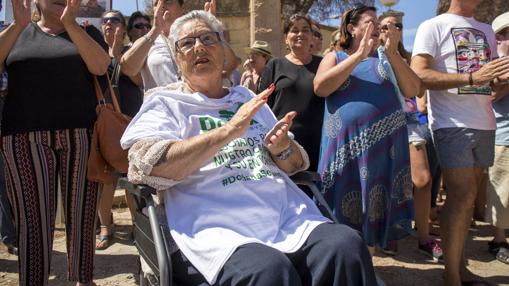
285,154
470,79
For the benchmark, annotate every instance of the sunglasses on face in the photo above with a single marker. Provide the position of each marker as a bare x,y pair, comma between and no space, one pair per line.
398,26
113,20
318,35
184,45
141,26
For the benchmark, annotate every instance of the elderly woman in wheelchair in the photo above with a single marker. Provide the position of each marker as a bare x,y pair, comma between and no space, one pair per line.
224,161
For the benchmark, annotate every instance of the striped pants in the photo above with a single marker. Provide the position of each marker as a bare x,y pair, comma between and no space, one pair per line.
34,163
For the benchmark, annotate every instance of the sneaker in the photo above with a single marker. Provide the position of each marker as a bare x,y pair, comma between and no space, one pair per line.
432,249
391,248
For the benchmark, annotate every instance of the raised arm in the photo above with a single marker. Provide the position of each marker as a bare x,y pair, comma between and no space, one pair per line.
330,76
408,81
134,59
22,13
435,80
176,164
96,59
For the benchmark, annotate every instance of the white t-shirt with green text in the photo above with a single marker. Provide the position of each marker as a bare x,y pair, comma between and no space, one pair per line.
239,196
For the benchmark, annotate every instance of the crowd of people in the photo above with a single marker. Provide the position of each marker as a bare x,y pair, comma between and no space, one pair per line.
384,128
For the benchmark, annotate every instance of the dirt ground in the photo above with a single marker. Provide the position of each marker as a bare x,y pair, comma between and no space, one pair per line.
118,264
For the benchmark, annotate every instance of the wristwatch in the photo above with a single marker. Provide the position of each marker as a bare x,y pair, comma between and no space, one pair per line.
285,154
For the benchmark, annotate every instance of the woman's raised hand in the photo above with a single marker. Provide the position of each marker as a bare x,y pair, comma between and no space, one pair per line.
391,38
210,6
277,139
71,10
22,12
163,18
118,43
366,44
242,119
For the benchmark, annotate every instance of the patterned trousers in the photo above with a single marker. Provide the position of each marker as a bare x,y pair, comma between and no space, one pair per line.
34,164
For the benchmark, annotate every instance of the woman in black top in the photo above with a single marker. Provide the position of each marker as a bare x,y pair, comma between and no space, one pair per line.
46,130
113,26
293,75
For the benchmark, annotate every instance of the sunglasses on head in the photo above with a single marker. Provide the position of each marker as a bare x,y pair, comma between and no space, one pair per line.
318,35
398,26
141,26
113,20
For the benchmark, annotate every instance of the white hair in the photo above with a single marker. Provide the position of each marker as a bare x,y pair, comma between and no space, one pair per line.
210,20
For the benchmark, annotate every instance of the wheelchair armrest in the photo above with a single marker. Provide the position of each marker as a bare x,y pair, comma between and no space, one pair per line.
309,179
142,191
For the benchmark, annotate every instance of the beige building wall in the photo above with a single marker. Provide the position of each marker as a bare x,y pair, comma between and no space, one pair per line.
239,29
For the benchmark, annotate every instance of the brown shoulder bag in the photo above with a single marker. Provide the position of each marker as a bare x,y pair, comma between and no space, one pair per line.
106,155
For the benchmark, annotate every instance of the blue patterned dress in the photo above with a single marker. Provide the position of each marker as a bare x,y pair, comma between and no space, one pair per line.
364,156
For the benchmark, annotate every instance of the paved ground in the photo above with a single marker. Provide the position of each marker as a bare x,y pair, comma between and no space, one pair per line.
118,264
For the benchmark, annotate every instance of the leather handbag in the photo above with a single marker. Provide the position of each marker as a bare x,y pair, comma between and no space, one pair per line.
106,155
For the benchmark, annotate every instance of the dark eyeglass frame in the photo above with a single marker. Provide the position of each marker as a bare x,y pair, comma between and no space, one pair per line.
398,26
317,34
113,20
205,42
140,26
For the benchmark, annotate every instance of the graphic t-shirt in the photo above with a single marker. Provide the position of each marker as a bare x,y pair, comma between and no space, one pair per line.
239,196
458,45
160,68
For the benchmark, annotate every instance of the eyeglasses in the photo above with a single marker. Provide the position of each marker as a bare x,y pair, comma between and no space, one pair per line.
398,26
141,26
318,35
113,20
184,45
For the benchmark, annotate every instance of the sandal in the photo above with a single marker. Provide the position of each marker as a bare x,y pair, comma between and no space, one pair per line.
500,250
104,241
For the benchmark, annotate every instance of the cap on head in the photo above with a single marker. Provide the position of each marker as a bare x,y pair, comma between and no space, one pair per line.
501,22
259,47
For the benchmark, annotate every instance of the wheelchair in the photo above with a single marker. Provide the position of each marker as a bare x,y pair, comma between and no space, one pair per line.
152,236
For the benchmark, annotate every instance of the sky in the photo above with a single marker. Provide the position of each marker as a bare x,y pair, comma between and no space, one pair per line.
416,11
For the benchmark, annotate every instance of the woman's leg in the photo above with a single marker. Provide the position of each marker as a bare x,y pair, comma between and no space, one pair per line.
80,199
421,179
250,264
105,216
30,166
334,254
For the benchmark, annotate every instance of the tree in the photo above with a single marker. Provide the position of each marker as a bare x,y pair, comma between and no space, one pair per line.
486,12
321,9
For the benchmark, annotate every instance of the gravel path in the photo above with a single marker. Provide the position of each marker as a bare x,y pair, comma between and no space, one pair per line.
117,265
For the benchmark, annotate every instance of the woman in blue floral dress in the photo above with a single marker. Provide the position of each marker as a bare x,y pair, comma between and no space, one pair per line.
364,158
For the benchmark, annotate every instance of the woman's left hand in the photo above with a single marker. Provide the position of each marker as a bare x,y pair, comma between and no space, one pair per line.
118,43
391,38
210,7
70,12
277,139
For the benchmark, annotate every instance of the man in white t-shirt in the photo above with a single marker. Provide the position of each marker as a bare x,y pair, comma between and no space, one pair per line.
454,56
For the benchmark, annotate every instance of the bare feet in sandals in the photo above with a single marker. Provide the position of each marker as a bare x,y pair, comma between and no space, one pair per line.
105,237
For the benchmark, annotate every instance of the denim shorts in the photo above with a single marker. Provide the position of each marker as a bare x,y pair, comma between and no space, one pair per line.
459,147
